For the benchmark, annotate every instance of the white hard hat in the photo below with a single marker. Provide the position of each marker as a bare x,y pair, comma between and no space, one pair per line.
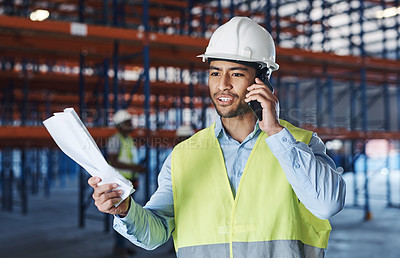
121,116
241,39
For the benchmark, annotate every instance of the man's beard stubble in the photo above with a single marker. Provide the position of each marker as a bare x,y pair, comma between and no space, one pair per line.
242,109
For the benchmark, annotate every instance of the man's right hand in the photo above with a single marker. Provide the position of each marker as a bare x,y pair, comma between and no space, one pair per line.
105,197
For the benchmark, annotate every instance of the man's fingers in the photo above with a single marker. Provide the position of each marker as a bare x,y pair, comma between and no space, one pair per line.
105,204
105,196
110,195
108,206
260,84
257,97
113,201
263,87
106,200
93,181
101,189
106,187
261,95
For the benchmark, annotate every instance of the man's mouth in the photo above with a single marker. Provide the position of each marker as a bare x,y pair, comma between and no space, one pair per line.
225,99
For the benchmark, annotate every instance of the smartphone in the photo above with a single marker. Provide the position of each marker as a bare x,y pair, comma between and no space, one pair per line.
255,106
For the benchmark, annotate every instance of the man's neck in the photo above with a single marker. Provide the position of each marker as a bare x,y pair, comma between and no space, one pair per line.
123,133
239,127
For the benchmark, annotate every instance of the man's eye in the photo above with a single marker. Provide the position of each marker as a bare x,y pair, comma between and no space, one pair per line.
214,74
237,74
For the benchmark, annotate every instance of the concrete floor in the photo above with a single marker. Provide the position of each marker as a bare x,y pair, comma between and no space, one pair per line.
50,229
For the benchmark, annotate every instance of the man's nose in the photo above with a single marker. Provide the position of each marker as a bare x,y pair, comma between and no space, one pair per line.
225,82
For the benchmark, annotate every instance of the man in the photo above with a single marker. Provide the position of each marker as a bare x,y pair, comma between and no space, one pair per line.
242,187
122,155
121,150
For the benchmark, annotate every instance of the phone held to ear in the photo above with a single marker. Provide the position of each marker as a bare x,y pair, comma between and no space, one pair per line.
255,106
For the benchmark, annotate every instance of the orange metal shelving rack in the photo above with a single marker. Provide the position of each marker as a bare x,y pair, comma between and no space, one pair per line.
74,38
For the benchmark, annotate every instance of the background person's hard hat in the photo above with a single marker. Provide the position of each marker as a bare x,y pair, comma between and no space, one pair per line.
121,116
241,39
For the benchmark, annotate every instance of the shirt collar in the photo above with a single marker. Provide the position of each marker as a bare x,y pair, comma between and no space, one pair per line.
220,130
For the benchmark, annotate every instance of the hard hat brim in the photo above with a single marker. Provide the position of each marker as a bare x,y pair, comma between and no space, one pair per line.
264,63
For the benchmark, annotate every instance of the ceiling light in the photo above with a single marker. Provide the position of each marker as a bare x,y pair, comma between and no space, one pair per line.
389,12
39,15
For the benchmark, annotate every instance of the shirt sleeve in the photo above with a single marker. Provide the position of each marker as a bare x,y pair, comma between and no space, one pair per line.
151,226
311,173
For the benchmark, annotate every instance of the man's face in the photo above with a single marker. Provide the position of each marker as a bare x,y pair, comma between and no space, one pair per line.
125,127
228,84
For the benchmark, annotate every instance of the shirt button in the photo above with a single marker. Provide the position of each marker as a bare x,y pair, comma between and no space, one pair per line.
284,139
297,166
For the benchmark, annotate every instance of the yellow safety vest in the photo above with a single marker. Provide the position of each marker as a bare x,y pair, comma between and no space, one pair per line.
125,156
265,219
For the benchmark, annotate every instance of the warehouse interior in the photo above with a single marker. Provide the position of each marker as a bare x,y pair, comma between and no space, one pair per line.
339,76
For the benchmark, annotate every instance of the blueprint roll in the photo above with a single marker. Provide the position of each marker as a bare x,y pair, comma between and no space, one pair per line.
73,138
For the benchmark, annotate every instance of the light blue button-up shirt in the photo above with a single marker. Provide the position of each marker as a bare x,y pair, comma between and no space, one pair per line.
311,173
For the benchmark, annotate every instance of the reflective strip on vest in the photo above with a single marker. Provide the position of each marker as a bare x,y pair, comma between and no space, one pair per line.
266,249
265,217
276,248
204,251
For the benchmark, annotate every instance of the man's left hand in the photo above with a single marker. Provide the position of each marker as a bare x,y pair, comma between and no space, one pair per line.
270,105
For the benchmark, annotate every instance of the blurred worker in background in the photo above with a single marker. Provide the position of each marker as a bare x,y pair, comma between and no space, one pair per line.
246,186
185,130
122,155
